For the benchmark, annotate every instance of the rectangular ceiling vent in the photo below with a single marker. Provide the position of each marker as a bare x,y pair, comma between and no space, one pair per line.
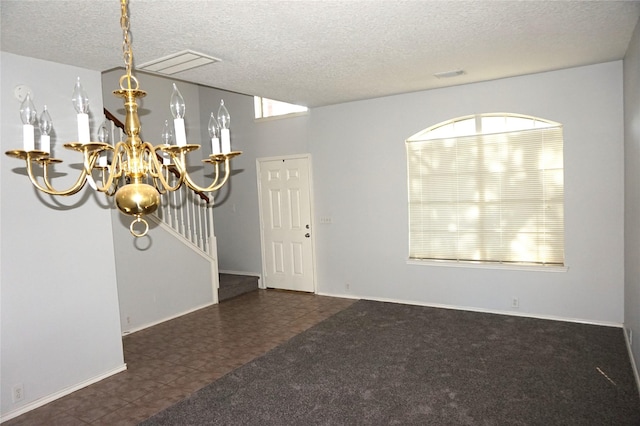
178,62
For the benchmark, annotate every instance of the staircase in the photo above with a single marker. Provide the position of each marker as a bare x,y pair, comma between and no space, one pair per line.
188,215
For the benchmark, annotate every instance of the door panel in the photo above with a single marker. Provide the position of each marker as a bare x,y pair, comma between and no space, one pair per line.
285,211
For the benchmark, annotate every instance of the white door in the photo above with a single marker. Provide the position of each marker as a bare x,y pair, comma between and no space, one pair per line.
285,214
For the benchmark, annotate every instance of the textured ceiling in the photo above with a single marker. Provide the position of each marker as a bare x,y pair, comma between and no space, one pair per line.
325,52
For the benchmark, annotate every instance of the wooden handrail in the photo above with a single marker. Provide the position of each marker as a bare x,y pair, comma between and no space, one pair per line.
113,118
120,125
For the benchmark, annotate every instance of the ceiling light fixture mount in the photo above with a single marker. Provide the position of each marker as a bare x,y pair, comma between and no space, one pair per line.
138,172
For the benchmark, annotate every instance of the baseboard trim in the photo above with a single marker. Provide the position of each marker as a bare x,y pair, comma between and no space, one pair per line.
480,310
145,326
57,395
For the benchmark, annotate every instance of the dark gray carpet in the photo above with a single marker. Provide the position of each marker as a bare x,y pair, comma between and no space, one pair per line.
390,364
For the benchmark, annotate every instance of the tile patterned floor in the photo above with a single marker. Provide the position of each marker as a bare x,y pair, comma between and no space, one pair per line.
170,361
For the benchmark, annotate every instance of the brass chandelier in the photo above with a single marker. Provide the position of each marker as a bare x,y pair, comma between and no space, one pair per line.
138,172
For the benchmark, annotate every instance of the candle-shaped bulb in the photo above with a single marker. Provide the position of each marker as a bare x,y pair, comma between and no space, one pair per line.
45,122
80,99
224,119
214,133
167,133
214,130
28,112
103,133
166,137
177,103
178,110
46,125
103,136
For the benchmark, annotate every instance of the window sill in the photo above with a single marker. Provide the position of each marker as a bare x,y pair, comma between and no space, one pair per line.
482,265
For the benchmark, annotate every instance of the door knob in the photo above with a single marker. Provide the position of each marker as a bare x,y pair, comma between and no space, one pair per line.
307,235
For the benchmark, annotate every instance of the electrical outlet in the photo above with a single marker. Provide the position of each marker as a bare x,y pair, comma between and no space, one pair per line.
128,320
18,393
346,286
515,302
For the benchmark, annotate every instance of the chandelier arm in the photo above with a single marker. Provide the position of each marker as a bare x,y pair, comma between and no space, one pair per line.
155,168
156,180
158,185
49,188
111,189
115,171
215,185
90,161
115,174
45,176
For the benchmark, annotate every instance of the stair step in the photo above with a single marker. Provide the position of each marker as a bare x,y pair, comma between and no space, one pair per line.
232,285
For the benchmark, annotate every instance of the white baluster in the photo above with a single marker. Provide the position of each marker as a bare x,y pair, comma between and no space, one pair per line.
201,231
182,215
186,208
210,229
174,208
194,228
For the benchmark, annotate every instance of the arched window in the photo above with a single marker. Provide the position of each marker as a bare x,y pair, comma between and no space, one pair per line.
487,188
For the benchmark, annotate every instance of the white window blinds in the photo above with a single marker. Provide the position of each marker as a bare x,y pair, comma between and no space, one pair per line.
493,198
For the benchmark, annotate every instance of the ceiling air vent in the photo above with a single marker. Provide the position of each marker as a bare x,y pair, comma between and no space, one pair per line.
177,62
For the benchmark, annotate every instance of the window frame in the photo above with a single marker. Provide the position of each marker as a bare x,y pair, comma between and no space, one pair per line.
259,107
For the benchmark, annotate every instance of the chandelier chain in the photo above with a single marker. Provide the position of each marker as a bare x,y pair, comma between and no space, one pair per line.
127,53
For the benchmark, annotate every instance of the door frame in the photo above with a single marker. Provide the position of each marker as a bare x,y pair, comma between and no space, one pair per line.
307,158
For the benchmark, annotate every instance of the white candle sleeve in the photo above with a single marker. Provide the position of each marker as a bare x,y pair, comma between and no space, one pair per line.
45,143
28,137
102,160
83,128
215,146
166,159
225,141
181,135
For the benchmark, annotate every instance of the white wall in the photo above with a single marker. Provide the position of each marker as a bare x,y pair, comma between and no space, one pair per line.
360,181
60,324
158,277
632,191
359,175
359,168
